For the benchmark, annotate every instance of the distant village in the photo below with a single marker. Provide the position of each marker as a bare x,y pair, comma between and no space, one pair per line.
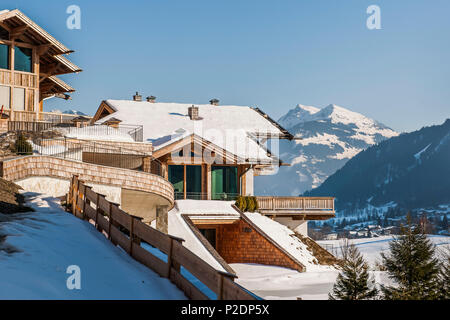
374,225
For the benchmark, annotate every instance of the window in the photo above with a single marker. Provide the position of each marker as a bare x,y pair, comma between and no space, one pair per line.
22,59
19,99
223,182
194,182
176,177
210,235
5,97
4,56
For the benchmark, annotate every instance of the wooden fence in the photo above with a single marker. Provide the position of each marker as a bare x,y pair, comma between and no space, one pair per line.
128,232
296,203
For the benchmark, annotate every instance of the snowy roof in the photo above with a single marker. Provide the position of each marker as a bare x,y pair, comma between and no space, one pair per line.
214,208
235,129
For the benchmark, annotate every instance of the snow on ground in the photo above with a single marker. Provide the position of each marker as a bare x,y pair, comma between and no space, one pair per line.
49,240
275,283
179,228
271,282
371,248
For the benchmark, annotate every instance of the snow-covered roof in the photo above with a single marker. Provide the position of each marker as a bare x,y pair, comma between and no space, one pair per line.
232,128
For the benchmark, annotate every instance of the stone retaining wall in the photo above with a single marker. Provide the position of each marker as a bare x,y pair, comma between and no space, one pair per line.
45,166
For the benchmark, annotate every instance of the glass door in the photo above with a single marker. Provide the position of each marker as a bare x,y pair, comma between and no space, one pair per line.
224,183
176,177
194,182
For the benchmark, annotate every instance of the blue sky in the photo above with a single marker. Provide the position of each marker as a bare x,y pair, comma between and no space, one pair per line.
270,54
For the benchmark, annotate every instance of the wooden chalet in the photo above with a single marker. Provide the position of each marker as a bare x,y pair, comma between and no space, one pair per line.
30,61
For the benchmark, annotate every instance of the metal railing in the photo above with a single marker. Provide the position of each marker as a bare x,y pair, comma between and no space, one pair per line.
96,153
179,195
122,133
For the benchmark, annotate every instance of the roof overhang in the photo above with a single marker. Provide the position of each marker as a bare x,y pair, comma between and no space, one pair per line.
53,85
18,24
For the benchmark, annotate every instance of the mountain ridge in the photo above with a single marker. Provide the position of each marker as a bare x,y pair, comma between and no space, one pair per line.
330,136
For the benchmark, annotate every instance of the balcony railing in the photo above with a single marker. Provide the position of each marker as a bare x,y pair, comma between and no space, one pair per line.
32,116
204,196
294,206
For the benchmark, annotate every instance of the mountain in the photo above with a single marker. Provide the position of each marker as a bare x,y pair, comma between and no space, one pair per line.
76,112
329,137
410,171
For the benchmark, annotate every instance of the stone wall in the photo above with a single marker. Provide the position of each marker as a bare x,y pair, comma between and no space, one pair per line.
45,166
3,126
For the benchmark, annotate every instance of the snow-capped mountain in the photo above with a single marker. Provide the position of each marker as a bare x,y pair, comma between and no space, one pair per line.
410,171
328,138
76,112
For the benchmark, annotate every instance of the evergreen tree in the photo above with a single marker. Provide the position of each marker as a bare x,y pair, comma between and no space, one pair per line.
353,282
444,278
412,265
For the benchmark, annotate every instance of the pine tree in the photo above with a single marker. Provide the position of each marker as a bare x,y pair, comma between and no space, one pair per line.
412,265
444,278
353,282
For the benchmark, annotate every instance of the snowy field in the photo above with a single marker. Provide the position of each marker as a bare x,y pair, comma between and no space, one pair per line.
371,248
270,282
37,247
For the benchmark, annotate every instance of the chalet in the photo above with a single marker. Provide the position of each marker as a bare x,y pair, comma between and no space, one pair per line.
30,62
177,166
211,153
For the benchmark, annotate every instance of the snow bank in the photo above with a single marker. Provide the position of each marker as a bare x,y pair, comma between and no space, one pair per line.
278,283
59,187
286,238
49,240
179,228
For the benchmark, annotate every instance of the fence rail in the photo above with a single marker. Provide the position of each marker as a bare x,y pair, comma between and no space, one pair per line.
129,232
312,204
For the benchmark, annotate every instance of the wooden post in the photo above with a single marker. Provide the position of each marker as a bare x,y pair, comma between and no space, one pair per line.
220,293
131,234
84,203
169,259
96,212
110,222
222,276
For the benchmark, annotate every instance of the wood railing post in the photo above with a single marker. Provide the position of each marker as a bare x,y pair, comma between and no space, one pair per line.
169,259
220,291
109,221
96,212
131,234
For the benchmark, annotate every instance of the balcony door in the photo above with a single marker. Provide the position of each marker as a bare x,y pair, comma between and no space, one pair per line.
224,182
187,177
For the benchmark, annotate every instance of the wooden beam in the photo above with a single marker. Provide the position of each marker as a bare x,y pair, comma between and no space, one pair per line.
43,49
17,32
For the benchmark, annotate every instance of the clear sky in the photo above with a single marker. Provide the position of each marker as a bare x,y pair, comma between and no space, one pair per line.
270,54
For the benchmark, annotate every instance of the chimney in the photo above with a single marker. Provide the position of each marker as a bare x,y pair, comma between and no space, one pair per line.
214,102
151,99
193,113
137,97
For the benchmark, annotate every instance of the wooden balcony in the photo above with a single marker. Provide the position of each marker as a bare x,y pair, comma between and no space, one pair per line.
298,208
32,116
